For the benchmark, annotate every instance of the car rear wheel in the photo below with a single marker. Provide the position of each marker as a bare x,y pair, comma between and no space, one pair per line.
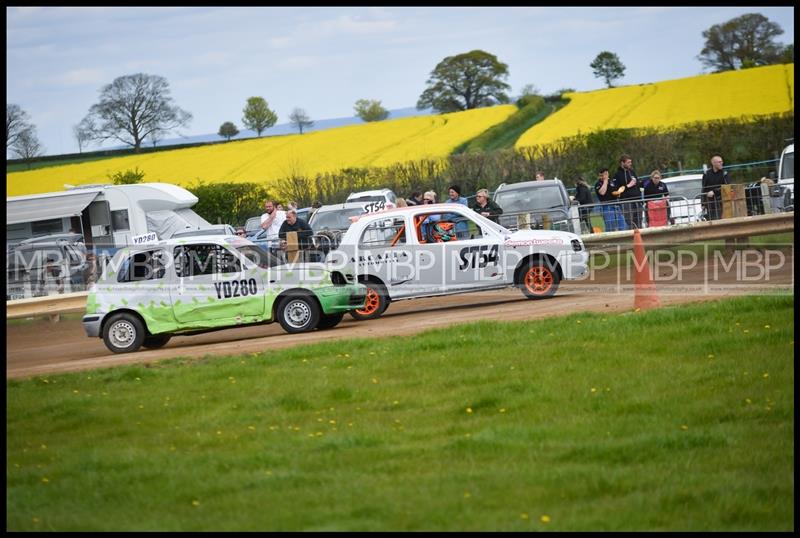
538,280
329,321
123,333
376,303
298,314
157,341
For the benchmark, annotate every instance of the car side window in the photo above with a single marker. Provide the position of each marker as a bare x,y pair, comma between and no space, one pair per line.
147,265
205,259
384,233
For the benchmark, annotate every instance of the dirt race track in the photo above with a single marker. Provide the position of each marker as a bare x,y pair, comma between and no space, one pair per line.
40,347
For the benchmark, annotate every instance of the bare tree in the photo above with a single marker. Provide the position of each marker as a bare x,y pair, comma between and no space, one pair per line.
27,146
17,122
83,134
133,107
300,119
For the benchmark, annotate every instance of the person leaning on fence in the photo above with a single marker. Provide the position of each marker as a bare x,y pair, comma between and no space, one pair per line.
583,195
295,224
485,206
713,180
608,193
626,176
655,189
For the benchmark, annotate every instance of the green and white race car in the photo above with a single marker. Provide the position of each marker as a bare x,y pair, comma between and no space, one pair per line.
148,293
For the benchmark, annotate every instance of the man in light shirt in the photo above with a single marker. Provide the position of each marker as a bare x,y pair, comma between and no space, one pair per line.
271,220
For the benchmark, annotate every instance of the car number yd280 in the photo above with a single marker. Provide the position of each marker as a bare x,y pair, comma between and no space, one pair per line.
236,288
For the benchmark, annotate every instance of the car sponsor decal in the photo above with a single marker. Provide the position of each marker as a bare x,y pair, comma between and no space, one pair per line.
477,256
532,242
380,259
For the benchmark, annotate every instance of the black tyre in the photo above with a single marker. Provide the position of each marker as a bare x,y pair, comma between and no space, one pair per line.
123,333
157,341
298,313
329,321
376,304
538,279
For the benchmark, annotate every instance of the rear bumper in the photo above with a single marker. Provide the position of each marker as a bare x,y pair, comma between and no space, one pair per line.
335,299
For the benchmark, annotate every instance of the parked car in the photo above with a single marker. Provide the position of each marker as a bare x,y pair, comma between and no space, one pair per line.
411,252
531,200
213,229
149,293
685,198
44,265
375,200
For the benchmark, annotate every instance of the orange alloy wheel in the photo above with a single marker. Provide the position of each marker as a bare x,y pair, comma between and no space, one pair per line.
538,280
371,304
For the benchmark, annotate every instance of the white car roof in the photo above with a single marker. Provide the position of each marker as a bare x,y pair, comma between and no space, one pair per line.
377,192
685,177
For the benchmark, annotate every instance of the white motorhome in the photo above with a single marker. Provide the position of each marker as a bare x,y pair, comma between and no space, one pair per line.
786,170
108,216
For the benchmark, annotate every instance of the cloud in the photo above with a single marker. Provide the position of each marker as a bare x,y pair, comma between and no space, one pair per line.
80,77
299,62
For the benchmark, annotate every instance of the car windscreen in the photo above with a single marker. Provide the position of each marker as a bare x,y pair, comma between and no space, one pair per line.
688,189
537,198
338,219
259,256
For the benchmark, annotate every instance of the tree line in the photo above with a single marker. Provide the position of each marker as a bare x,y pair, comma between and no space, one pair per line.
137,109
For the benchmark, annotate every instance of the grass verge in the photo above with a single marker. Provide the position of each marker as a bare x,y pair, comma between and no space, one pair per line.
672,419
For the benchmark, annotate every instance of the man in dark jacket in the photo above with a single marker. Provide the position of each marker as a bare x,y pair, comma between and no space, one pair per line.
485,206
713,180
295,224
583,195
631,210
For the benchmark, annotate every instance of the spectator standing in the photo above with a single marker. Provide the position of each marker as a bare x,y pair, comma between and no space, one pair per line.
539,176
485,206
583,195
608,193
428,198
293,223
655,189
626,176
272,219
713,180
414,199
454,197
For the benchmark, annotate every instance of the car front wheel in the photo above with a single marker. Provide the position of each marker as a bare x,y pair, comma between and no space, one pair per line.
538,280
157,341
298,314
123,333
329,321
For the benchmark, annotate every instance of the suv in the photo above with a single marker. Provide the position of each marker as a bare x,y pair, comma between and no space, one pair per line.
148,293
376,200
531,200
43,265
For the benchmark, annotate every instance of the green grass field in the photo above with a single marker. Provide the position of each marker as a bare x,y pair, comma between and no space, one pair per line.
673,419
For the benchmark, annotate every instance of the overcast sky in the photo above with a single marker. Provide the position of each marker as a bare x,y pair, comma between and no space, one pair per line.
324,59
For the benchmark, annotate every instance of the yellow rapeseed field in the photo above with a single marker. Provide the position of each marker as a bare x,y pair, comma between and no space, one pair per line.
266,159
750,92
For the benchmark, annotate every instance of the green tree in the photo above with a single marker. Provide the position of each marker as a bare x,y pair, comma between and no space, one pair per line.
128,177
370,110
228,130
135,107
608,67
466,81
257,115
300,119
745,41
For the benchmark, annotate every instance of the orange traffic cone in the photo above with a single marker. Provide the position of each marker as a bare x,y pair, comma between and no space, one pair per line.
645,295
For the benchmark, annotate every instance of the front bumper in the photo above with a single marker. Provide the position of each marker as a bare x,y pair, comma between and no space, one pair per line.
91,324
345,298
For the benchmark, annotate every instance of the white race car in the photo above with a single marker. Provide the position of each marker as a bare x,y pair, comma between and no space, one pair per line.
148,293
443,249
